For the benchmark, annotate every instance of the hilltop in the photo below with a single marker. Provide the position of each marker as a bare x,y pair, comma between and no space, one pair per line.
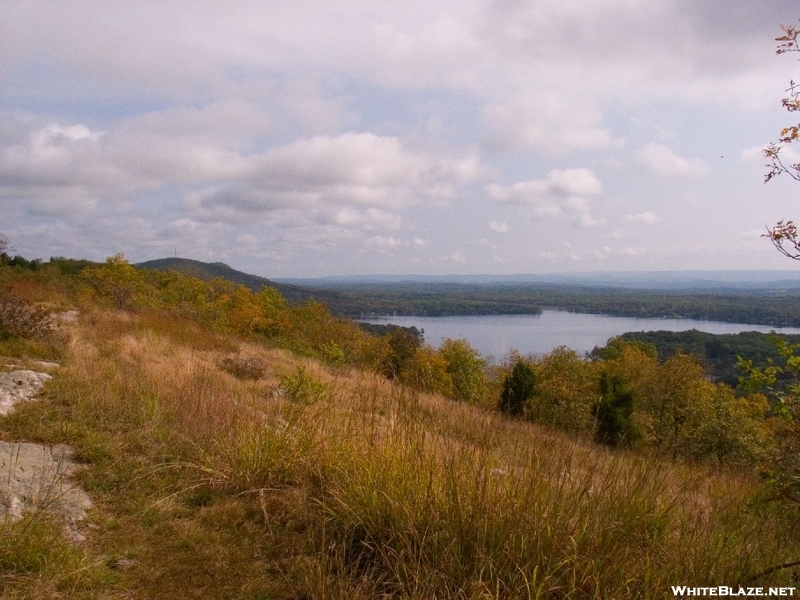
208,271
236,446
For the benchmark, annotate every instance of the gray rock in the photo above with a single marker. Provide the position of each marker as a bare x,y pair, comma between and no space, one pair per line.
34,477
19,385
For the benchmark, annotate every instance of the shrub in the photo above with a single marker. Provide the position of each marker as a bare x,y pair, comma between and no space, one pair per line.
118,282
301,387
244,367
333,354
20,318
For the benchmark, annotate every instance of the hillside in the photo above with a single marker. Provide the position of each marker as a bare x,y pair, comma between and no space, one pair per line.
234,446
207,271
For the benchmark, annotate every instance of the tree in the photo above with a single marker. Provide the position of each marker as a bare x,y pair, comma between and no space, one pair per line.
518,386
5,248
672,397
614,412
118,282
403,345
780,383
784,235
466,369
566,389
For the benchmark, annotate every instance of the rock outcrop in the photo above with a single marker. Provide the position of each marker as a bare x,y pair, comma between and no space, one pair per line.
35,477
17,386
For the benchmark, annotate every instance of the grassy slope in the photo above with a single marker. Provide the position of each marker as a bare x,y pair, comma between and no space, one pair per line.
222,488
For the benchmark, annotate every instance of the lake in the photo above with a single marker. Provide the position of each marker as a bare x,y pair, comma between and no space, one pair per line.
496,335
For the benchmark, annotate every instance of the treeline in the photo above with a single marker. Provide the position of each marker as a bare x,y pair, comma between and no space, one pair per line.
424,299
627,397
718,353
434,300
448,299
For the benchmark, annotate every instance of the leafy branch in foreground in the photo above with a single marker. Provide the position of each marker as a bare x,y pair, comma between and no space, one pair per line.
781,383
784,235
786,43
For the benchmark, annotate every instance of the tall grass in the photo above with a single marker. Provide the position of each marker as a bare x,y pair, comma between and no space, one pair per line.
422,513
374,490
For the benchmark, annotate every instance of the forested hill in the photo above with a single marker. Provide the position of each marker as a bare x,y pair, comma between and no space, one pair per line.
718,353
775,309
294,294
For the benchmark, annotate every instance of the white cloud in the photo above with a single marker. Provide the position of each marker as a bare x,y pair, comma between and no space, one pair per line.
663,161
333,123
561,192
350,180
560,185
304,99
618,233
587,220
498,226
645,218
630,251
371,218
456,256
554,123
382,244
753,154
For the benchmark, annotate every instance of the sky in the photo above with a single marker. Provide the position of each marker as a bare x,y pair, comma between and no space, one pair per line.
345,137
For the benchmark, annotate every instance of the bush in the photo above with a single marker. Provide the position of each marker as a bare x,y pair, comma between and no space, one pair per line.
332,354
20,318
244,367
301,387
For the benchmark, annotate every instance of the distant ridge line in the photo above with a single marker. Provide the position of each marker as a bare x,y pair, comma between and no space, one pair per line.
657,280
207,271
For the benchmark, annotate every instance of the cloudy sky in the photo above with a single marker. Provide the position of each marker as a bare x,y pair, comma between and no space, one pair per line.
322,137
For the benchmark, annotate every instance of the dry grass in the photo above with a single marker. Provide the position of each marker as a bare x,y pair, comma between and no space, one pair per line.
222,487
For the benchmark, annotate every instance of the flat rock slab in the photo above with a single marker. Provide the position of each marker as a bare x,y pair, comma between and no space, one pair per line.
34,477
19,385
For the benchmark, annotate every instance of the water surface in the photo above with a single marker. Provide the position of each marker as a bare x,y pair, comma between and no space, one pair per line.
496,335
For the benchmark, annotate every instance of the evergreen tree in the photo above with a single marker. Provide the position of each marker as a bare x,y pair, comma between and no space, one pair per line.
518,386
614,412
